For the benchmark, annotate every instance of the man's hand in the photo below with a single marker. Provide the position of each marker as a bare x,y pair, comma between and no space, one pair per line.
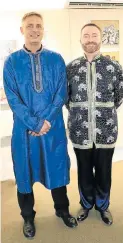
34,134
45,128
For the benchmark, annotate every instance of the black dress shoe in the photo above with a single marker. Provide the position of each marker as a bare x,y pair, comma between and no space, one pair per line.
82,214
29,229
106,217
68,220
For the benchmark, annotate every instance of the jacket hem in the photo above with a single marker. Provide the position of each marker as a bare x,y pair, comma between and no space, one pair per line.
89,146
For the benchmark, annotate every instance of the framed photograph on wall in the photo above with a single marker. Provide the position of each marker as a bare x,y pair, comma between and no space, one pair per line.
110,31
113,55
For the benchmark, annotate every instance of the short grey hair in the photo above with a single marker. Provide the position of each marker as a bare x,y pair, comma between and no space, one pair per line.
29,14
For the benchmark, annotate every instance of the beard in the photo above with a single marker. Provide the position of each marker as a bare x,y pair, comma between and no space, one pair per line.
91,47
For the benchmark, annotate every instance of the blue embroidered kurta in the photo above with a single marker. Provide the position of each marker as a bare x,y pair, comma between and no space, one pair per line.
36,89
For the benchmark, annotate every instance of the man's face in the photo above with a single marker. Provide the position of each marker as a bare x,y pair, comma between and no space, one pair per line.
90,39
33,30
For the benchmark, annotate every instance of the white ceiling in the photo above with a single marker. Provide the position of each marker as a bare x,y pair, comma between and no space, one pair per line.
14,5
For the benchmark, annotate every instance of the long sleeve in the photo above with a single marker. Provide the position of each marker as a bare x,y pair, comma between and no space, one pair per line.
118,87
16,104
61,93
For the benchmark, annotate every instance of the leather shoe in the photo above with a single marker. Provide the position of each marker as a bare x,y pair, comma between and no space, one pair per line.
106,217
29,229
68,219
82,214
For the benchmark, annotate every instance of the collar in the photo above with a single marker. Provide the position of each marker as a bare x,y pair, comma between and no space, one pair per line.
28,51
95,58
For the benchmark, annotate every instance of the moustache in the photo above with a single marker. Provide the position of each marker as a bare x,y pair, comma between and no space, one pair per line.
91,43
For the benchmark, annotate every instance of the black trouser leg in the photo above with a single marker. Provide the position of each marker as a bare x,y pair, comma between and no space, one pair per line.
103,168
26,203
85,176
61,202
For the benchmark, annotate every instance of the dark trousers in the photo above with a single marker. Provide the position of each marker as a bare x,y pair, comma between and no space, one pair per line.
26,202
94,177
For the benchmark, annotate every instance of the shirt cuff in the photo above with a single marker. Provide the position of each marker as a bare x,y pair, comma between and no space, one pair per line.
39,126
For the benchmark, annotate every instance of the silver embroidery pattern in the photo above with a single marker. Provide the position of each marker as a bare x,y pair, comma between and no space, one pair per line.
98,94
97,113
85,124
79,117
93,102
110,86
82,69
78,133
78,97
36,72
110,68
110,122
110,139
76,62
115,129
99,76
98,131
114,78
76,78
81,87
121,85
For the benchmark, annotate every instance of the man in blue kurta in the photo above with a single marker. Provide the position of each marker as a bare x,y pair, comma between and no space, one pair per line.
35,86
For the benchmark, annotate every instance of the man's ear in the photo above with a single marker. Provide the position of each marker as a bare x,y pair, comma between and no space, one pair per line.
21,30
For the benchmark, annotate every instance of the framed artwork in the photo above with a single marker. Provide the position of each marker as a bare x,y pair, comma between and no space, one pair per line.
110,31
112,55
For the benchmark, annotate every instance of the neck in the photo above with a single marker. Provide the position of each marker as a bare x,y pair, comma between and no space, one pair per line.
33,47
91,56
